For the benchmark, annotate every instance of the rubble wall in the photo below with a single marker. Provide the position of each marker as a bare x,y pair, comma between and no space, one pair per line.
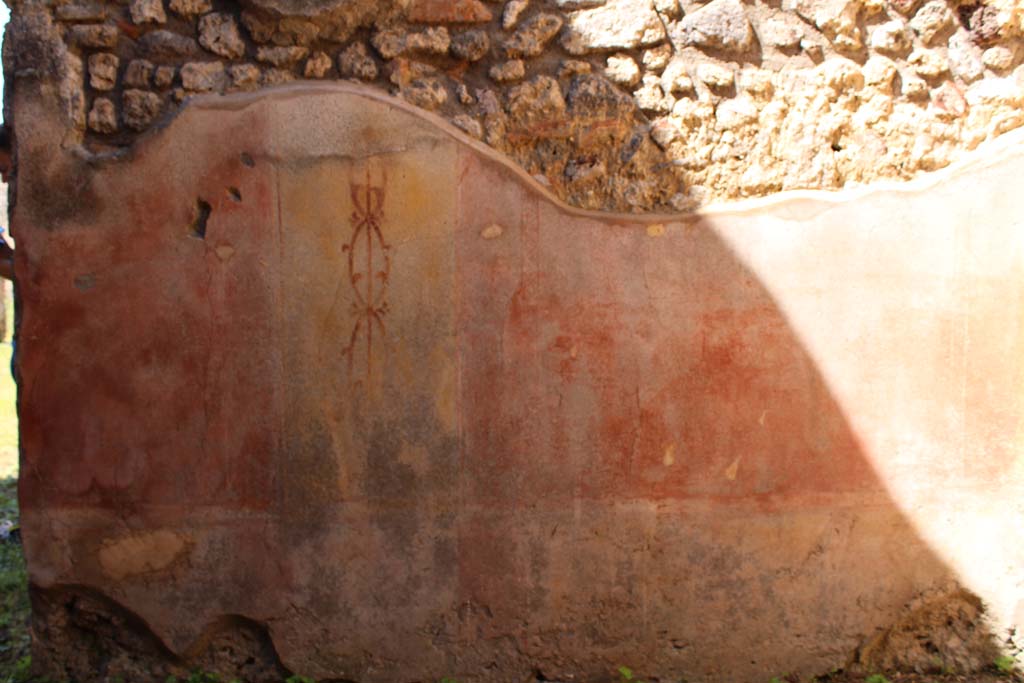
625,105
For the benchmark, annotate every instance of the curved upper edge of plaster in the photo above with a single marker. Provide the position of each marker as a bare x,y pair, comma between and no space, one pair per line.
792,204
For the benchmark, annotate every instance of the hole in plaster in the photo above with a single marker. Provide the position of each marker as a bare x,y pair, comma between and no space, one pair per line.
966,13
248,160
235,194
203,211
836,147
85,282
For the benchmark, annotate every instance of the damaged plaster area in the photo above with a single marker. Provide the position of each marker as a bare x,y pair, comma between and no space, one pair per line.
625,105
80,631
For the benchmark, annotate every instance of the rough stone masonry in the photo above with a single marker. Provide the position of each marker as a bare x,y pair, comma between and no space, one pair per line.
627,105
312,382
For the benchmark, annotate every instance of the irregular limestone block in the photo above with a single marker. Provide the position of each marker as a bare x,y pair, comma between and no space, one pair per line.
928,63
391,43
317,65
94,35
138,74
103,70
218,33
837,19
618,24
510,15
314,380
715,76
281,56
244,76
656,59
965,58
999,58
355,62
190,8
533,36
82,11
721,25
202,76
71,90
425,93
468,125
931,20
139,108
890,38
506,72
148,12
431,41
448,11
161,45
163,76
103,116
275,76
781,33
471,46
622,69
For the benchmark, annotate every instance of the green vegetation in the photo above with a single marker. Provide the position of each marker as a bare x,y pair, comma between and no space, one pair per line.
876,678
202,677
1005,664
627,675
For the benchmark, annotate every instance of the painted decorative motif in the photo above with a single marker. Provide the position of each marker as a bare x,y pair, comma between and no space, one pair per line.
369,269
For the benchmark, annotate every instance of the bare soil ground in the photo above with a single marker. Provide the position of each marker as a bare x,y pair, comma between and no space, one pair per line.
994,676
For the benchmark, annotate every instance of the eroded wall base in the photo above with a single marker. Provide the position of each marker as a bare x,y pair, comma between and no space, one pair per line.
81,635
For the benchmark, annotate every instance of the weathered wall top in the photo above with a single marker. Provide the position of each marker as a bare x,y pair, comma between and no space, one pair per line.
615,104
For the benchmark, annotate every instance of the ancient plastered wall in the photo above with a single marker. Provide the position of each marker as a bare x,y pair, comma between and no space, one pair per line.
628,105
314,383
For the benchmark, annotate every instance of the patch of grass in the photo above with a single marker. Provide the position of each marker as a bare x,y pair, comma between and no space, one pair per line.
1005,664
627,675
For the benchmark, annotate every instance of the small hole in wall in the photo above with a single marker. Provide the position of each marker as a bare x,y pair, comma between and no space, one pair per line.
248,160
85,282
836,147
235,194
202,215
966,13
